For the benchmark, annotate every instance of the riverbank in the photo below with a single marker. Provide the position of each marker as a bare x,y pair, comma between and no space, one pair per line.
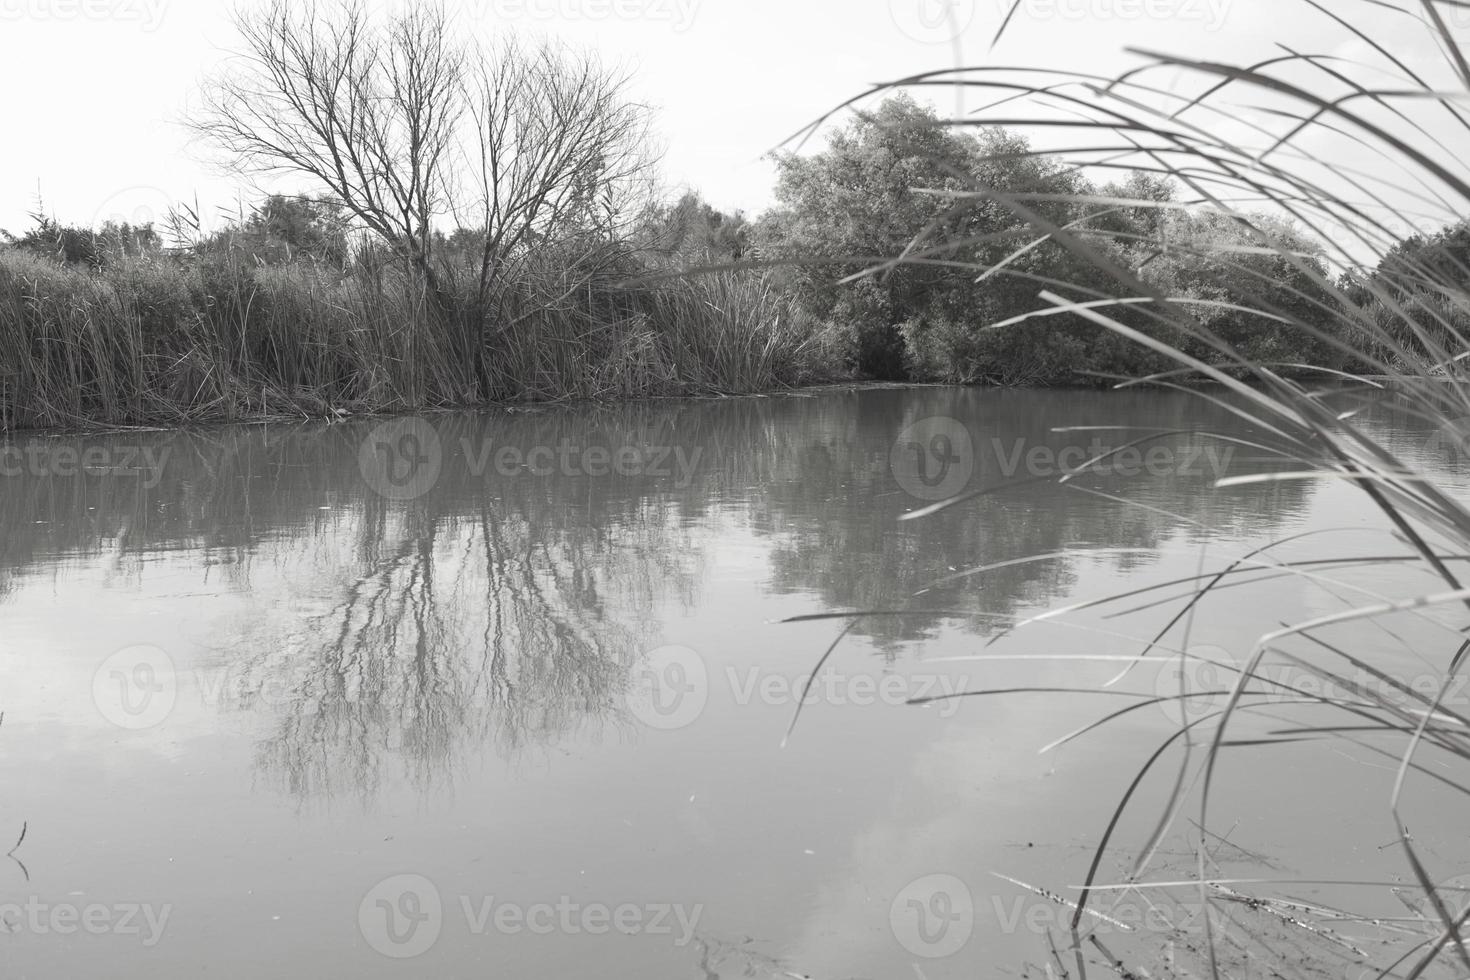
224,335
507,408
155,340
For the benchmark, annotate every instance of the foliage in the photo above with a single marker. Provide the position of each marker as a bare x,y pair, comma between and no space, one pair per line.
878,189
897,182
284,228
693,232
216,334
1249,265
1414,297
67,244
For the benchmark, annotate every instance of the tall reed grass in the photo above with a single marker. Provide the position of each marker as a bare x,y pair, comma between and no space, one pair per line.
1360,156
166,339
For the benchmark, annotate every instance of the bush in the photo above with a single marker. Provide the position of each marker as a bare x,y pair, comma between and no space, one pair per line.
63,243
891,184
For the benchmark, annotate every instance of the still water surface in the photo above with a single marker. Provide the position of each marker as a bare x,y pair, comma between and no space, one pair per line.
280,702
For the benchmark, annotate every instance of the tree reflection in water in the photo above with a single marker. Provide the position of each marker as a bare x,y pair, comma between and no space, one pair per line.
511,610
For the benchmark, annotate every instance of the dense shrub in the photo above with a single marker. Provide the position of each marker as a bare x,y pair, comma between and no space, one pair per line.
896,182
1414,300
1266,266
67,244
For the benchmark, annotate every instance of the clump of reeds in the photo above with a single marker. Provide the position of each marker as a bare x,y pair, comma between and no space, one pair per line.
735,328
1358,157
222,335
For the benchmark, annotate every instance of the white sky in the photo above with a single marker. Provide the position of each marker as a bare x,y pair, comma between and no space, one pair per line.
94,88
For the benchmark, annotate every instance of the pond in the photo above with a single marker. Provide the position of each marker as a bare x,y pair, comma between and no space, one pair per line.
506,694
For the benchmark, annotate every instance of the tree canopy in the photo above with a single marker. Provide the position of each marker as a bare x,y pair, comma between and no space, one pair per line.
897,182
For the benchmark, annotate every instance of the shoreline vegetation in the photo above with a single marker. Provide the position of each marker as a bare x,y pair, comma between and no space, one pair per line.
498,236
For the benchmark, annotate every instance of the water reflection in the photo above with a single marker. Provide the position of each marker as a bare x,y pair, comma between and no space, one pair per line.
510,608
462,628
438,683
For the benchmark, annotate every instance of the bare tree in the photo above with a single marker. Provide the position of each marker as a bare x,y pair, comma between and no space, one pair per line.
371,112
406,125
558,147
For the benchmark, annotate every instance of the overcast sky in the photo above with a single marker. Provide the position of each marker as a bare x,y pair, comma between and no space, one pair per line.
94,88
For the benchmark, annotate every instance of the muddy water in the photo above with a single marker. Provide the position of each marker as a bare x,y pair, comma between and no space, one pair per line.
504,694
